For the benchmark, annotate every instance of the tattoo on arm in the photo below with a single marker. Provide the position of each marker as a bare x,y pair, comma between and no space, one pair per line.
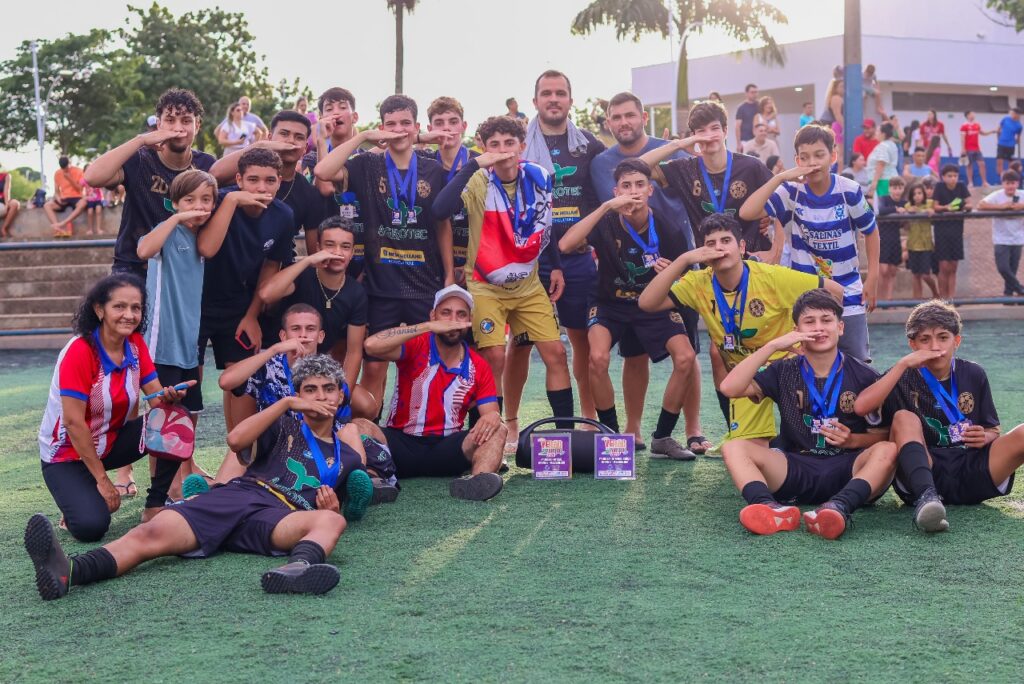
394,332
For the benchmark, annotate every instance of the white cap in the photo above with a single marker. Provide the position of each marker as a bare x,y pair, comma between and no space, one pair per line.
453,291
151,121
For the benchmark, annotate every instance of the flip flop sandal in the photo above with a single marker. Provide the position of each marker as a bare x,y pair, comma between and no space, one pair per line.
694,444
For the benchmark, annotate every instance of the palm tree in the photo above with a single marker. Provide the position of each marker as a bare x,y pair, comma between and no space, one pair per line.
744,20
400,7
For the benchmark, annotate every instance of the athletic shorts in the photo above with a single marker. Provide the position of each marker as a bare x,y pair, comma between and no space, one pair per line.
530,317
172,375
580,273
1004,151
920,263
378,457
975,156
391,312
429,456
630,345
890,248
962,477
651,330
949,241
813,480
221,335
239,517
66,203
92,204
750,420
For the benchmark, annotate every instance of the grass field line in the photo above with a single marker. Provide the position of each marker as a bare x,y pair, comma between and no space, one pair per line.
428,564
526,541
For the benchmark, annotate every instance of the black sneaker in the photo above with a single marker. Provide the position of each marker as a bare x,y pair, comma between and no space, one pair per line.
300,578
929,513
383,492
53,569
476,488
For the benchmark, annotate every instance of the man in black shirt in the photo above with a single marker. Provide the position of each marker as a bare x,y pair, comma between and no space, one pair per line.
320,280
828,455
945,425
715,180
287,501
146,165
951,195
407,248
745,115
632,245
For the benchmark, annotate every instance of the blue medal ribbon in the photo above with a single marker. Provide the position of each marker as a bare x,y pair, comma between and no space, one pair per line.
328,475
652,234
823,404
402,188
524,197
460,159
717,198
947,401
732,318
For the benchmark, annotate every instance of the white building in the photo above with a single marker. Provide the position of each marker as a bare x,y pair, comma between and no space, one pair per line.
941,54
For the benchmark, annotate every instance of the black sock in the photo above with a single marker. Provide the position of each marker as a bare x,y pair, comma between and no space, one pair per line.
94,566
854,495
307,551
756,492
915,472
723,403
562,406
666,424
609,417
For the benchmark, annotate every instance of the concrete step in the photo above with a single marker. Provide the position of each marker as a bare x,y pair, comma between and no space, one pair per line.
78,274
33,223
35,321
70,256
26,306
72,287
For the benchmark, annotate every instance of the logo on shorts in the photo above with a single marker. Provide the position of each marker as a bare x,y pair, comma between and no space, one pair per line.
756,308
846,400
487,326
675,317
966,402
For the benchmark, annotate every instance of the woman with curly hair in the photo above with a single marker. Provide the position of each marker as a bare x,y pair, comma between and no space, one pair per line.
91,423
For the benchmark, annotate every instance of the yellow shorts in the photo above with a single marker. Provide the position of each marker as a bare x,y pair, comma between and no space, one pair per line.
532,315
749,420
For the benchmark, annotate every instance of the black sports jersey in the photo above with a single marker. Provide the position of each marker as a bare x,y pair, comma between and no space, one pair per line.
748,174
306,203
621,271
347,306
342,202
783,383
283,461
147,185
460,219
945,196
974,398
400,260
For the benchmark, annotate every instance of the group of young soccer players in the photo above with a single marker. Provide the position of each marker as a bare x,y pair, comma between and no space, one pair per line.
453,264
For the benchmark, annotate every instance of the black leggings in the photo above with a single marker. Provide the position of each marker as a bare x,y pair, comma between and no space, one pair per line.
74,488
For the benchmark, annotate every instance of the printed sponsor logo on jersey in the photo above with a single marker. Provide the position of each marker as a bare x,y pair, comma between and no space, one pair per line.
563,214
402,257
268,244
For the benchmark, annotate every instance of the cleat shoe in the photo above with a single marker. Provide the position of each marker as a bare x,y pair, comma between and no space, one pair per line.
300,578
829,521
194,485
383,491
929,513
667,447
762,518
480,487
53,569
358,494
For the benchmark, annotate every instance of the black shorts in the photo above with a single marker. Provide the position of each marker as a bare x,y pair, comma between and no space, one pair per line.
580,282
920,263
221,335
93,204
239,517
651,330
962,477
631,346
66,203
391,312
890,249
949,241
813,480
172,375
378,457
1004,151
430,456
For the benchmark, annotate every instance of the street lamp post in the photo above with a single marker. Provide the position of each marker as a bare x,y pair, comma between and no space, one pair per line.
34,46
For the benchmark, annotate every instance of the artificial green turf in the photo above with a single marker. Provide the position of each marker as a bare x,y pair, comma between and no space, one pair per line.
581,580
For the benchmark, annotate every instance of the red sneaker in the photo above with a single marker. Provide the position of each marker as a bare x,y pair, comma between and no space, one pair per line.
829,521
769,519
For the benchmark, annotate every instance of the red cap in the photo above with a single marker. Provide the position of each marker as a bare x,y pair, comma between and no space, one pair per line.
869,123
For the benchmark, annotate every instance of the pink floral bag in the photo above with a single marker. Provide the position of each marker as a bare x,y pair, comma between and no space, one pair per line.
168,433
